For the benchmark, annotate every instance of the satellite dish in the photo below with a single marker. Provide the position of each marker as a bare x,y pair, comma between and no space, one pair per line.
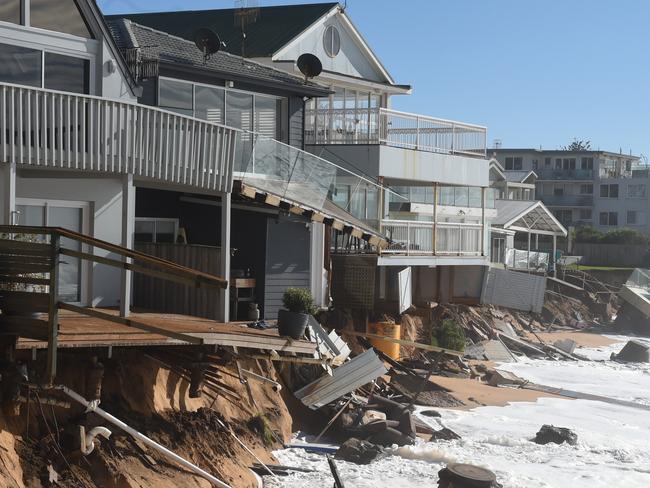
207,41
309,65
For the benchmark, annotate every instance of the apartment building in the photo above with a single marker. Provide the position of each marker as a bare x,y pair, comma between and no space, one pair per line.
601,189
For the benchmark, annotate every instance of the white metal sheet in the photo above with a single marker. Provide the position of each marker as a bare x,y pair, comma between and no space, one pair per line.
512,289
405,289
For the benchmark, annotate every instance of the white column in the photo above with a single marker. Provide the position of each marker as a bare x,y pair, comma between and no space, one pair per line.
483,230
128,227
537,242
528,257
553,256
317,256
8,193
224,264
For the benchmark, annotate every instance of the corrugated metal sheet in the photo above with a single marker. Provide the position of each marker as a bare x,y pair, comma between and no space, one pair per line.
330,346
345,379
512,289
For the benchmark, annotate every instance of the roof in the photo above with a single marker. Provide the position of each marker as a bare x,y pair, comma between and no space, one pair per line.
493,151
180,52
275,26
518,176
527,216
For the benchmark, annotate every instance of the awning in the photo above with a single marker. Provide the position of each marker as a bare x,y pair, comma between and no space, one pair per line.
527,216
330,214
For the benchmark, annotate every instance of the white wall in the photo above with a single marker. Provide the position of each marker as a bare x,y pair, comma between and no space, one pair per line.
105,198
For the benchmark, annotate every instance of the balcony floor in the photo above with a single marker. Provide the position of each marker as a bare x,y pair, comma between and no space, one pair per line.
439,260
80,331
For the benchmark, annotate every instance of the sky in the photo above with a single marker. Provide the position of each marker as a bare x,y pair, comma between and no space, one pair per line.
537,73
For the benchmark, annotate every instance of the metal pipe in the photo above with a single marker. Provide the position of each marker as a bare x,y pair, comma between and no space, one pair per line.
276,386
93,407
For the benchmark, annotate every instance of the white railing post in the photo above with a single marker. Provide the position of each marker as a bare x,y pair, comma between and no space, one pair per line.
417,132
408,239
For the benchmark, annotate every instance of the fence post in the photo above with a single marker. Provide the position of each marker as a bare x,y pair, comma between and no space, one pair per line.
417,132
53,309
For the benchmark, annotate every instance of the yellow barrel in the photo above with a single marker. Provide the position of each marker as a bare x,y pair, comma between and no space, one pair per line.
386,329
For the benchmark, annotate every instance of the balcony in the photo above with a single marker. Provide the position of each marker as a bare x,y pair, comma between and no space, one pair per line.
46,129
568,200
394,128
564,174
412,238
400,146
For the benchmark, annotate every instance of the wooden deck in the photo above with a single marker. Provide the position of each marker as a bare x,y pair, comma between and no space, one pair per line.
79,331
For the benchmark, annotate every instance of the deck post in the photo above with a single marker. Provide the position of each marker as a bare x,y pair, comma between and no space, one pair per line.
224,265
434,232
8,194
553,256
128,227
53,311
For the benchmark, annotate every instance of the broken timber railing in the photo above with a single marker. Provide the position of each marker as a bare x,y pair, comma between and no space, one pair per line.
29,282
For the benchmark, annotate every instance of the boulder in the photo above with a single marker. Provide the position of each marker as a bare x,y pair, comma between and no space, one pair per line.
634,352
407,424
557,435
389,437
358,451
444,434
466,476
430,413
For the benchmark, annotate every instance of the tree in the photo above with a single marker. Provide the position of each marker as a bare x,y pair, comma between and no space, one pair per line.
578,145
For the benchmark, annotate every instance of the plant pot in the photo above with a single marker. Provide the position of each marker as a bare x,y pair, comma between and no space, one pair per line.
292,324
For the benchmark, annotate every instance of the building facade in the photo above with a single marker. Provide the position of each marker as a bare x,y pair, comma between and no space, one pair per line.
601,189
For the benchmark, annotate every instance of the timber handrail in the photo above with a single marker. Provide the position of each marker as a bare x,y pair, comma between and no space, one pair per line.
188,276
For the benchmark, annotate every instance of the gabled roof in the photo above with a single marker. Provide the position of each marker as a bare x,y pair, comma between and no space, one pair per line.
274,27
527,216
182,53
519,176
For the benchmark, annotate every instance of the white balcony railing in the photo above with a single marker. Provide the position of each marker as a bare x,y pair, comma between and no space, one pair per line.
394,128
412,238
49,129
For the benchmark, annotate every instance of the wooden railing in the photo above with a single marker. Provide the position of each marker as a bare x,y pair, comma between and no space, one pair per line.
29,282
50,129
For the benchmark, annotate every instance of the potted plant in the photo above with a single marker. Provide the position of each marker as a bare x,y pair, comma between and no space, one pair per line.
298,304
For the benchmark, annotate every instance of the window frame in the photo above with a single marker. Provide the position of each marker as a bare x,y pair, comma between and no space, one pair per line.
155,221
329,50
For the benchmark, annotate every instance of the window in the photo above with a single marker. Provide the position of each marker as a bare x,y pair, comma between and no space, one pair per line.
558,190
514,163
20,65
636,191
331,41
535,163
587,163
635,217
558,163
210,103
10,11
175,96
569,163
156,230
59,16
587,189
65,73
547,162
608,218
266,112
609,191
564,216
585,214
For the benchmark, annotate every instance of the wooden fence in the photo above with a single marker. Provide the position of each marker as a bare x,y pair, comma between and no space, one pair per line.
164,296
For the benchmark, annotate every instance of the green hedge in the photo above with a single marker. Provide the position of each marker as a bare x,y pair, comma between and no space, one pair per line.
618,236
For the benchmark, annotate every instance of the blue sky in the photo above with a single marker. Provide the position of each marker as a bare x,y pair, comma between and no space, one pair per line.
537,73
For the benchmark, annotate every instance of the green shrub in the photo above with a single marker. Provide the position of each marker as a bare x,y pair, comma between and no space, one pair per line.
449,336
618,236
298,300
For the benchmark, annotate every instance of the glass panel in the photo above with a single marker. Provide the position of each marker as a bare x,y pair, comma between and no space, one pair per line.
69,267
475,197
175,96
341,196
32,215
10,11
358,203
266,116
65,73
461,195
165,231
209,103
144,231
59,16
239,109
20,65
446,195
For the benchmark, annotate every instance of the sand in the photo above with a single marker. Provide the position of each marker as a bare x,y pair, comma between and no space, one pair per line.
583,339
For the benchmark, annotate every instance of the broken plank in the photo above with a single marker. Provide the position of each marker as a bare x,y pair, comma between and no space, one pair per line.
403,342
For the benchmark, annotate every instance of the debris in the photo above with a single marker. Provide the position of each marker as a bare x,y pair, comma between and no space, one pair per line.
430,413
358,451
390,436
466,476
444,434
557,435
493,350
523,346
432,395
371,416
498,378
633,352
338,483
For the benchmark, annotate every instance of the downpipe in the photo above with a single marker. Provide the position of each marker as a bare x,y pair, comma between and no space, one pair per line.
94,407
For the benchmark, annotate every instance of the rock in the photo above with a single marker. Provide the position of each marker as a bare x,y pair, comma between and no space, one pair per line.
444,434
357,451
566,345
371,416
347,420
634,352
430,413
557,435
389,437
407,424
466,476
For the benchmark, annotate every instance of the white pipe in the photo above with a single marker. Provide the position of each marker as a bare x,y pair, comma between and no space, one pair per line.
88,440
276,386
93,407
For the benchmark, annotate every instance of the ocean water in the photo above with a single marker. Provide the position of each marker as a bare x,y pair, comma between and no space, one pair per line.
613,441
